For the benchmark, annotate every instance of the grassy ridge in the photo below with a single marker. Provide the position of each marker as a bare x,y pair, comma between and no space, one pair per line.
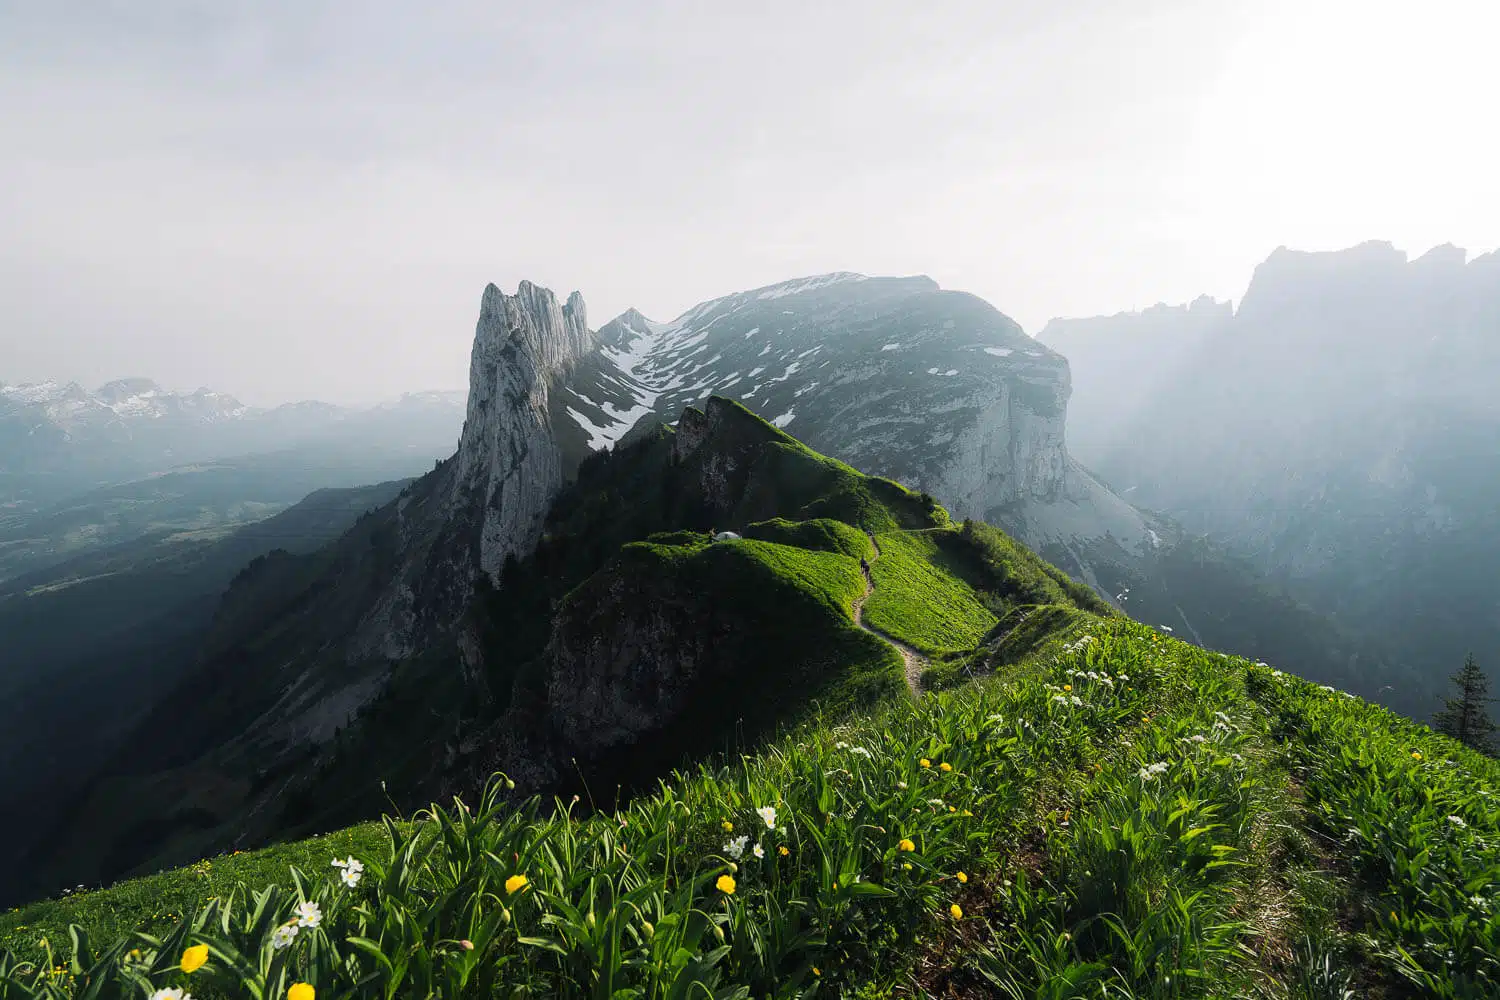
820,534
920,601
1123,813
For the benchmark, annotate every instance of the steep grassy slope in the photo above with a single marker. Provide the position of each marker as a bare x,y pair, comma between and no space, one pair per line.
1119,815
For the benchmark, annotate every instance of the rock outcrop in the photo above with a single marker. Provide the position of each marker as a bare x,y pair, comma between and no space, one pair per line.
508,467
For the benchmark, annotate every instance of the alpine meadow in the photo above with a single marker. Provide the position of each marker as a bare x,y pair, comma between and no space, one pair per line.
855,589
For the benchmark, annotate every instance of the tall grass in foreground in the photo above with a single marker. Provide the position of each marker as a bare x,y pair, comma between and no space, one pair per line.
1104,827
1416,818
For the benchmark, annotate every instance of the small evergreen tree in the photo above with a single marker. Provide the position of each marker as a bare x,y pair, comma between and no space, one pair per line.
1466,718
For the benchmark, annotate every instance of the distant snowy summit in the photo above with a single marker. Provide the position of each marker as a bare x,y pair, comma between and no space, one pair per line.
69,435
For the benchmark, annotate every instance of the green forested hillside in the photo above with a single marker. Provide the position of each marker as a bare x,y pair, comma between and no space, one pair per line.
1087,808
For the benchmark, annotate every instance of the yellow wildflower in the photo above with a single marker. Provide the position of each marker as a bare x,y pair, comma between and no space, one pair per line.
906,866
925,762
728,826
1416,755
1067,687
194,958
906,845
516,883
945,766
726,884
301,991
817,971
962,877
957,911
783,851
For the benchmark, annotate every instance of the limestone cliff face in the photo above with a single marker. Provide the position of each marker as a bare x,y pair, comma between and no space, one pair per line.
508,464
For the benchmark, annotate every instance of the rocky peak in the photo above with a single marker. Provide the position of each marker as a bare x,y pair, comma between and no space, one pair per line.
1446,256
122,389
508,466
626,328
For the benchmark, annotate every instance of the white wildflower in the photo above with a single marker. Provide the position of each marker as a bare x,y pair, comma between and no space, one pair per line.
351,877
1077,701
171,993
768,815
867,755
308,914
934,802
283,936
901,785
1457,821
736,847
758,851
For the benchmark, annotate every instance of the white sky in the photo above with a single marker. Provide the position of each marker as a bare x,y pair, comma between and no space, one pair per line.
305,199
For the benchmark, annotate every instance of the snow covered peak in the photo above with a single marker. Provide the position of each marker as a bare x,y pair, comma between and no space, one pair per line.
122,389
42,393
797,285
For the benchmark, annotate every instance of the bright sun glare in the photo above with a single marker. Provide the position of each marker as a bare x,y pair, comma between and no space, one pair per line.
1329,114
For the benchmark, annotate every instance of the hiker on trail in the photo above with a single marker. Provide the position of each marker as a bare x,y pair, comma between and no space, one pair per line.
864,567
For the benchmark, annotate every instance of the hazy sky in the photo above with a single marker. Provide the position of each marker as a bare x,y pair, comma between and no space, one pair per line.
305,199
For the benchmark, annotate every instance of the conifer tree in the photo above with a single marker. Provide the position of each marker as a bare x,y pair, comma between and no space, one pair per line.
1466,718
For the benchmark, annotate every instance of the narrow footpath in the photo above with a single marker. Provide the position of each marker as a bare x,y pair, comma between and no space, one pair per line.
915,661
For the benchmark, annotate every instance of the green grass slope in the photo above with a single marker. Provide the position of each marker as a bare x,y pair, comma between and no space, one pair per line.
1129,816
920,599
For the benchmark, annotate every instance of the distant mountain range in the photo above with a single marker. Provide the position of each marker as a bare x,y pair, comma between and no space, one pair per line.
57,438
1339,430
